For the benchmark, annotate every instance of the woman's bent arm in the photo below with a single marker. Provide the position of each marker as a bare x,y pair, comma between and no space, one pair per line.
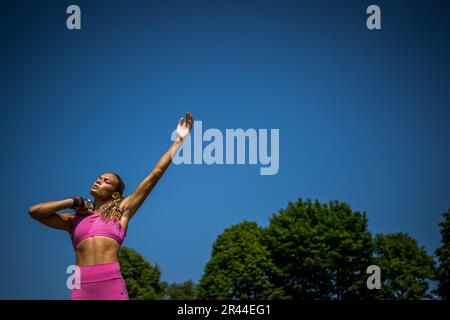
46,213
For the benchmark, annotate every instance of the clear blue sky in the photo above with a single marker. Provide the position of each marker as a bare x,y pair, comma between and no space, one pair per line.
363,118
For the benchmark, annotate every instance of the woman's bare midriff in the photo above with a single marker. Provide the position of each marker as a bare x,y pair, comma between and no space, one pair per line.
97,250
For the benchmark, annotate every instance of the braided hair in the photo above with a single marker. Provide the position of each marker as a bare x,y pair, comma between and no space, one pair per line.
111,210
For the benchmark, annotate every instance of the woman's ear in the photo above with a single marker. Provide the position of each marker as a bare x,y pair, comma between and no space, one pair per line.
116,195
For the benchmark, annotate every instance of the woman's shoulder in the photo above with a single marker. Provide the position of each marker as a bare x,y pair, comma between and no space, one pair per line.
77,216
67,216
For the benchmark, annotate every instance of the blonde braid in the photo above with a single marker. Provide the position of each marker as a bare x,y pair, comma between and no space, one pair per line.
111,210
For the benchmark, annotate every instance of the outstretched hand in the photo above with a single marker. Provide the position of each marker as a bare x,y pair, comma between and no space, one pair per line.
185,126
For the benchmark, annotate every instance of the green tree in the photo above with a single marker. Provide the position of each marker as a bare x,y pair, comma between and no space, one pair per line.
443,254
319,251
142,279
406,268
239,266
181,291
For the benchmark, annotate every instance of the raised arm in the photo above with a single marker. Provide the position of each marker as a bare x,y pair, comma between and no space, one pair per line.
132,203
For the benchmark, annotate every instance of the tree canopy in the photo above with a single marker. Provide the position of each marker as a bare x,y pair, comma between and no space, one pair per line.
310,250
142,278
239,266
443,254
406,268
320,251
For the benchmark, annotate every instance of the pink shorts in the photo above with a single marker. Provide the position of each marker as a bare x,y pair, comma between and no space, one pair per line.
100,282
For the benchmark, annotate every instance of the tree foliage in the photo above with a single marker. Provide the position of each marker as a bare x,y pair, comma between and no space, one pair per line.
406,268
142,279
320,251
239,266
310,250
443,254
186,290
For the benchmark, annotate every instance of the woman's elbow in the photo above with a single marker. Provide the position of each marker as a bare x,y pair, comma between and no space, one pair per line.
157,174
33,211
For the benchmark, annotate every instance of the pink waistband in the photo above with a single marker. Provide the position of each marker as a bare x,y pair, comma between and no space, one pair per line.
100,272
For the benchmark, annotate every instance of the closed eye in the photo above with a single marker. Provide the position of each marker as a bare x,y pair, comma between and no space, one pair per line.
104,179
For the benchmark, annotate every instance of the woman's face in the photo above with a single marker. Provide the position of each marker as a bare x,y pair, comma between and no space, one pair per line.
105,185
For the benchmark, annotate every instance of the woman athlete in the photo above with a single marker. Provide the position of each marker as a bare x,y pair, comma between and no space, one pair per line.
98,232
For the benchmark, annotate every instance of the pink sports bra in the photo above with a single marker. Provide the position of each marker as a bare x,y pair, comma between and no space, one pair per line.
92,225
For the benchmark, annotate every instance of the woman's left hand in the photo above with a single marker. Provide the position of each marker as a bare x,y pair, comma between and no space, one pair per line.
185,126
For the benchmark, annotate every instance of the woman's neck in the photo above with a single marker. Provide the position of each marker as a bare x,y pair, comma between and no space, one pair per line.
98,203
